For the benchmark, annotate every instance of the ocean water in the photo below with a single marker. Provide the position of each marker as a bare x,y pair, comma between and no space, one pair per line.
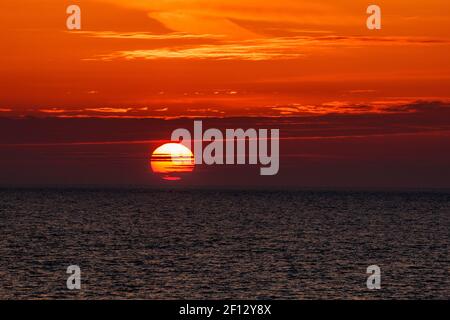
150,244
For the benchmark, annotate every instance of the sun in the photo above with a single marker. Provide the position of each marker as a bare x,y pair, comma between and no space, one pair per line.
172,160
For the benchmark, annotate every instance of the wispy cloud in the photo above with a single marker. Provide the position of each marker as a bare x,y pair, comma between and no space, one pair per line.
264,48
219,17
249,30
249,19
146,35
54,110
345,107
110,110
195,110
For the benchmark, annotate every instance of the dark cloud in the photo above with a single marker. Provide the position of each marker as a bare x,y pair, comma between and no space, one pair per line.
405,148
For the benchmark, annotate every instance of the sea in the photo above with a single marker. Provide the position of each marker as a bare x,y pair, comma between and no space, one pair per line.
138,243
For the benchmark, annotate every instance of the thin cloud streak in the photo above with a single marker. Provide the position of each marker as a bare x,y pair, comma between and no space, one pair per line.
266,48
146,35
388,106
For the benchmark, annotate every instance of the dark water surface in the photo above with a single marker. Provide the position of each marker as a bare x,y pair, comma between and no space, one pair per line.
223,244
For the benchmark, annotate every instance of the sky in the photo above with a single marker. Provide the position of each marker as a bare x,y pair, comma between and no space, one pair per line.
352,103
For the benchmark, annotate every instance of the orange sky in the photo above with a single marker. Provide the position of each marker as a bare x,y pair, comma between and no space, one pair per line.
220,58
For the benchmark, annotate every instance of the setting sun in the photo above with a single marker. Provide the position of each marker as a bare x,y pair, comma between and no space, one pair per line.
171,160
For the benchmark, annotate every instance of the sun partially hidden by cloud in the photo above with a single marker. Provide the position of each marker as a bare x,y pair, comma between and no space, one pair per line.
171,161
